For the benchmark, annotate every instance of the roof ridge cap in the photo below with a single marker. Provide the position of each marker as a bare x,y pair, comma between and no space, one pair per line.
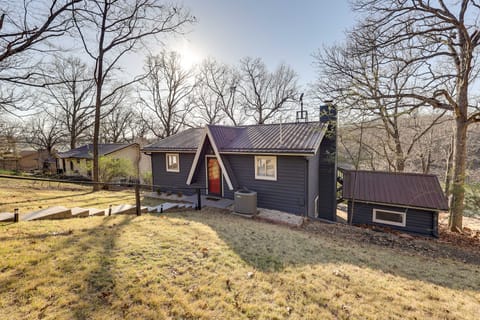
393,173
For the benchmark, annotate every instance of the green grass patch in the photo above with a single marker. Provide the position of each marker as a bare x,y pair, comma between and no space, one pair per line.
212,265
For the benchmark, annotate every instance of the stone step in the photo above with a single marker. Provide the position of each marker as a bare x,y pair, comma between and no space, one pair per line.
152,209
6,217
166,206
175,205
57,212
96,212
79,212
126,209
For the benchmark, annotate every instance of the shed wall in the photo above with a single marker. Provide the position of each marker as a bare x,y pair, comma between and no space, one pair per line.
417,221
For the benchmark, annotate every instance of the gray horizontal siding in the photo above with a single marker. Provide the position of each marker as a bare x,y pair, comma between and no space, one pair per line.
313,184
171,180
417,221
287,193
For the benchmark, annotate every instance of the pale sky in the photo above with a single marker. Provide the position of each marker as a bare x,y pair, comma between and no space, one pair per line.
274,30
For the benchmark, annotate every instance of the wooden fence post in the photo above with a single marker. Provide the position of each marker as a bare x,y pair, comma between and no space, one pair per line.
137,199
199,199
15,215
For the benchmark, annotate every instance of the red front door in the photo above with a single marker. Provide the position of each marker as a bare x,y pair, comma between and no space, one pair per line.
214,176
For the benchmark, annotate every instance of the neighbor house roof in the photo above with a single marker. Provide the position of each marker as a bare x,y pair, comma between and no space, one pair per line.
86,151
303,138
404,189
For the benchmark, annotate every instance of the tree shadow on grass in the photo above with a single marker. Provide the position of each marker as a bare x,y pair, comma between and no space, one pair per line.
96,283
272,248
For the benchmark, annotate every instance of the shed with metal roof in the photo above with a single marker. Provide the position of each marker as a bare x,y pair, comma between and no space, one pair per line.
408,202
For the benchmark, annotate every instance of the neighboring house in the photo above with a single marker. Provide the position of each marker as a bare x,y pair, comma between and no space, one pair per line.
292,166
408,202
31,160
77,162
9,154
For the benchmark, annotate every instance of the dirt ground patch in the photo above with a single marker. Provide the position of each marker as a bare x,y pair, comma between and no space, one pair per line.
463,247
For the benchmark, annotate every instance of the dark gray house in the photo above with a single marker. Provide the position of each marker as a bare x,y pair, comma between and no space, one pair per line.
291,166
408,202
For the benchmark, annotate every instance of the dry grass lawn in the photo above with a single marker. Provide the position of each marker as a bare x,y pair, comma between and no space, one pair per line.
209,265
29,196
212,265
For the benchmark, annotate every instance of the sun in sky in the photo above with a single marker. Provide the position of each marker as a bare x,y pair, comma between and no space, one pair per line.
189,54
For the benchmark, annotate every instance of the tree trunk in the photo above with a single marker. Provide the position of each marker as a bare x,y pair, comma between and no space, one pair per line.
96,134
459,167
72,140
448,169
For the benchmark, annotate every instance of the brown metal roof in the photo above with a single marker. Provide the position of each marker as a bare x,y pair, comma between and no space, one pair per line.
269,138
407,189
303,138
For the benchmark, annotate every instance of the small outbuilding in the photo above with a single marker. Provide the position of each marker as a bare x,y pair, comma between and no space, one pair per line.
409,202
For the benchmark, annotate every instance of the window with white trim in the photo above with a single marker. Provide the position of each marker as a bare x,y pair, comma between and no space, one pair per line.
394,218
266,167
172,161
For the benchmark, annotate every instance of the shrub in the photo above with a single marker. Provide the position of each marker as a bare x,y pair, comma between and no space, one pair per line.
112,168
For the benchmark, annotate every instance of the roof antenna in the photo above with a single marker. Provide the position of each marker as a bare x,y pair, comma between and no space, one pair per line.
302,116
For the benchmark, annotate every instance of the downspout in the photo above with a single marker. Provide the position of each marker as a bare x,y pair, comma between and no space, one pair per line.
307,202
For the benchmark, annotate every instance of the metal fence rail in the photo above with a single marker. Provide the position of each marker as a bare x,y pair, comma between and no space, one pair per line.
136,186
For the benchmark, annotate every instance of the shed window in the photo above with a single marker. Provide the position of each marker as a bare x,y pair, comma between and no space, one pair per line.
394,218
173,164
266,167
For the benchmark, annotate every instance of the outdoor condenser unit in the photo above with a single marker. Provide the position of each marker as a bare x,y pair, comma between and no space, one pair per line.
246,201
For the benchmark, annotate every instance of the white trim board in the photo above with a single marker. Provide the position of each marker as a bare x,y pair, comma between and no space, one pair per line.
392,223
195,159
219,158
208,134
255,153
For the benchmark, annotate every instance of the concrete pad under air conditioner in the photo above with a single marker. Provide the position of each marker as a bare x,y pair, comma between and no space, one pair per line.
78,212
127,209
51,213
96,212
6,217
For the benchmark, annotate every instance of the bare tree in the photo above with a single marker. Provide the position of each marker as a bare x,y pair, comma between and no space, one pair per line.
43,133
446,39
360,79
10,131
27,27
216,92
266,94
165,94
115,127
70,97
109,30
